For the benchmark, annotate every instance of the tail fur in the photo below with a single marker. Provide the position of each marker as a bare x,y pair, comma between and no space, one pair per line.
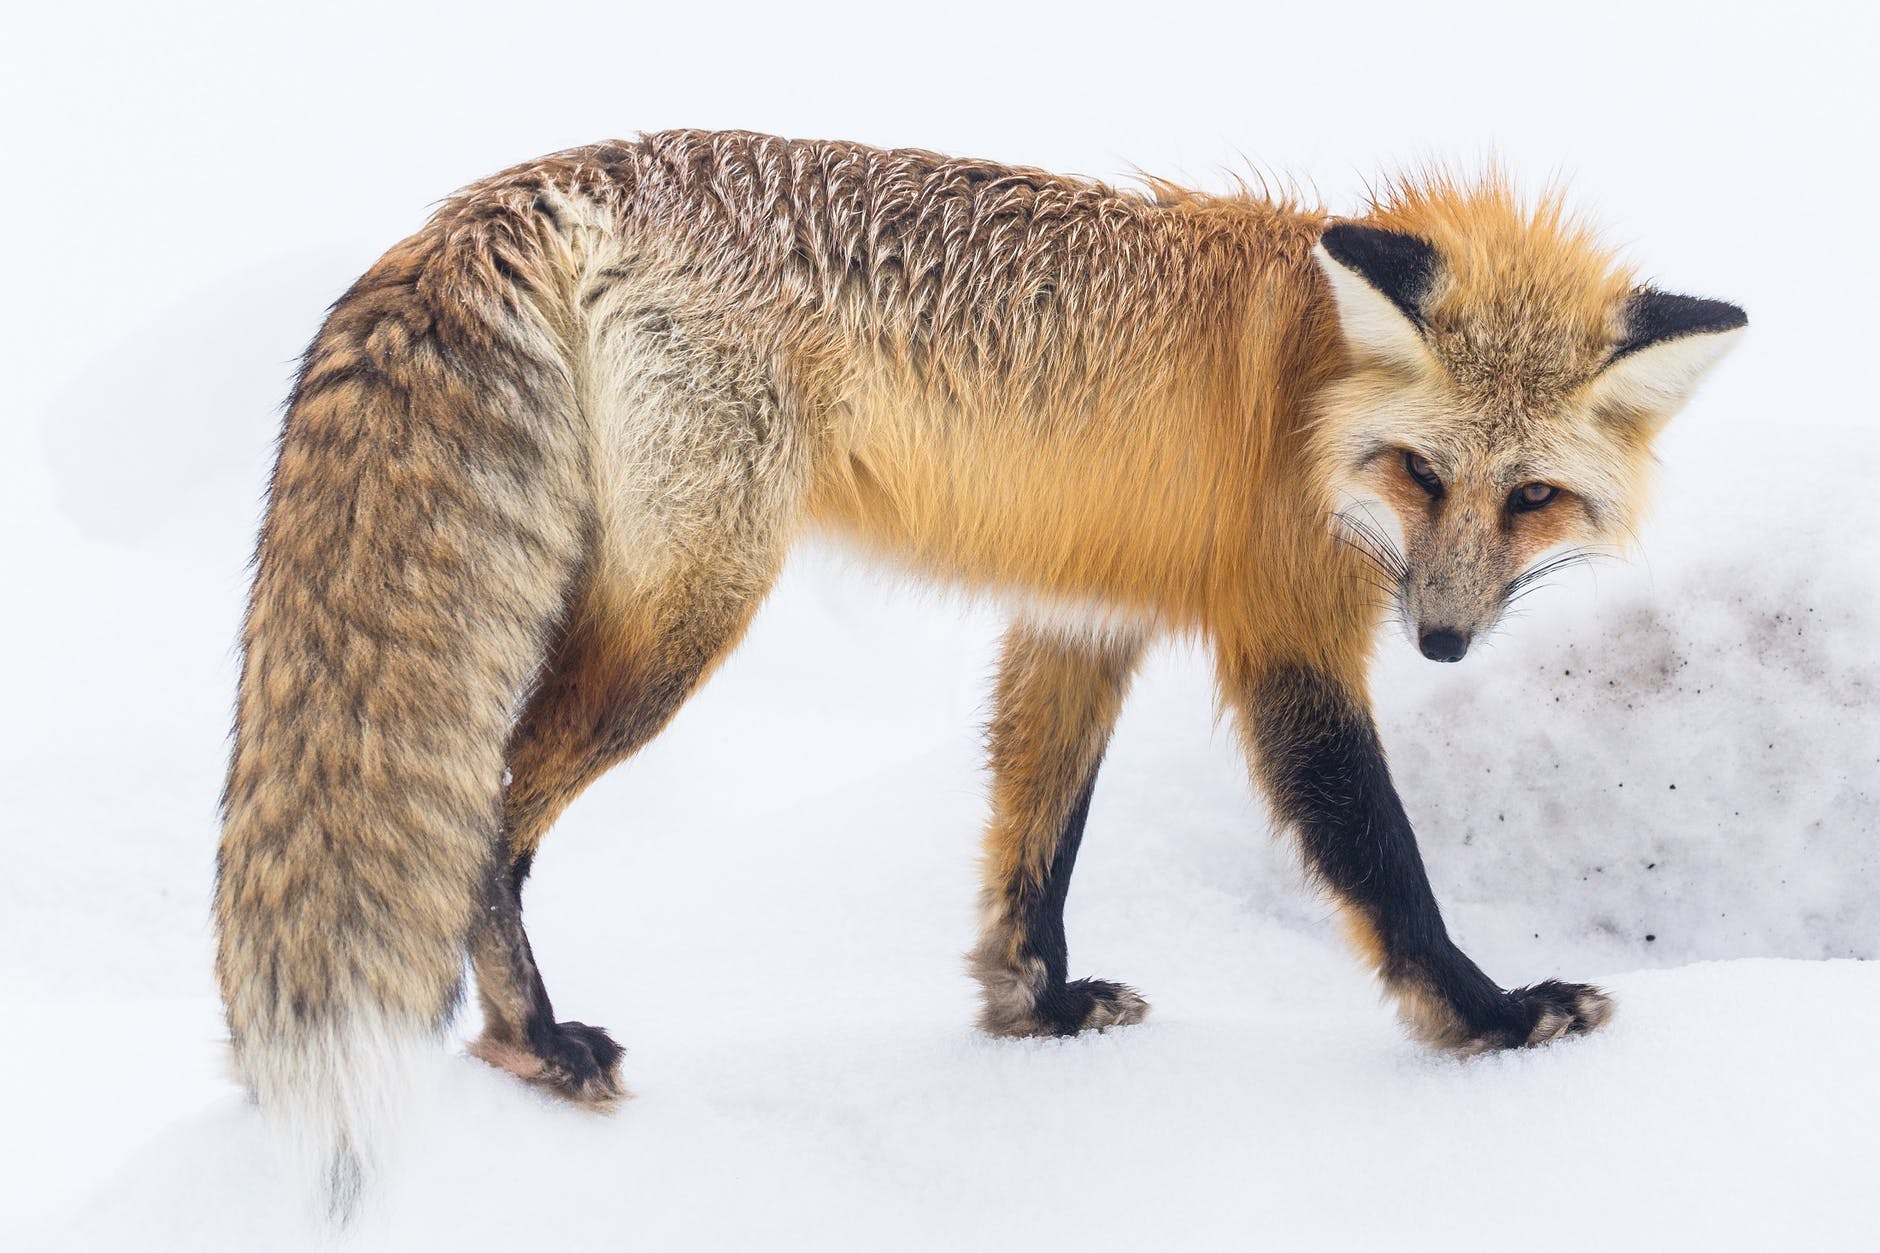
426,515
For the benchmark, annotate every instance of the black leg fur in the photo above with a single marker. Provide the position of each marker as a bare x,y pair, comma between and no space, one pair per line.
520,1034
1326,773
1064,1006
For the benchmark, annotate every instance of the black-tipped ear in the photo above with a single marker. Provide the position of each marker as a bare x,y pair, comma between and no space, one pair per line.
1402,267
1670,343
1653,316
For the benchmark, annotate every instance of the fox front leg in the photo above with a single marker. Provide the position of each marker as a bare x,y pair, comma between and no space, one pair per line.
1317,754
1057,701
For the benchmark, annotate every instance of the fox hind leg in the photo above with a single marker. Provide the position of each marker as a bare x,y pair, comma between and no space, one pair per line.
1058,699
521,1034
701,482
610,687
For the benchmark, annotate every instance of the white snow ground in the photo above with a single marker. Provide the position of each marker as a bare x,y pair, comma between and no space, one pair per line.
1666,776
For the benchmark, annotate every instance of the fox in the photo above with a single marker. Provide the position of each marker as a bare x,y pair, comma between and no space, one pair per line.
542,463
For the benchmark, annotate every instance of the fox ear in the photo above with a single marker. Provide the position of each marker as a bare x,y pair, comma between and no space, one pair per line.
1380,280
1668,345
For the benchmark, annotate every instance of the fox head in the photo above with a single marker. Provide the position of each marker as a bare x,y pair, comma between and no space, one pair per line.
1505,380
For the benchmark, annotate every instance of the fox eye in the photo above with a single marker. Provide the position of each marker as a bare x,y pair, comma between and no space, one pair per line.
1423,472
1532,496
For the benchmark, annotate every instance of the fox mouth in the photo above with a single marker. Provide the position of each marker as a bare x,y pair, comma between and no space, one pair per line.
1385,568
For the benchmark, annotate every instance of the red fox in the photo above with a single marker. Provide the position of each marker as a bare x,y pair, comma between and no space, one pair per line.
543,461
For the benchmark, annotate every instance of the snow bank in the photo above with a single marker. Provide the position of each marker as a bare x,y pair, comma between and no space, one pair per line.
1695,773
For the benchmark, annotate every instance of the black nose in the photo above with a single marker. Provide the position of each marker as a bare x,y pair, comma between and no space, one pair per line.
1444,645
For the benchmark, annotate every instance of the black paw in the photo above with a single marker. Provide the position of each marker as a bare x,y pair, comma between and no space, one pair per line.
571,1059
1553,1009
1088,1005
582,1062
1541,1014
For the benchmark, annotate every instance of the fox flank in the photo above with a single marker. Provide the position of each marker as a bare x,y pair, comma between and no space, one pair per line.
545,459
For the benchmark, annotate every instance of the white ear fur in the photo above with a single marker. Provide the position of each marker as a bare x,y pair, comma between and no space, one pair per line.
1660,377
1375,328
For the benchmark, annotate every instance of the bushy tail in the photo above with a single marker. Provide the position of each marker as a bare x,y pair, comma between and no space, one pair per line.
425,517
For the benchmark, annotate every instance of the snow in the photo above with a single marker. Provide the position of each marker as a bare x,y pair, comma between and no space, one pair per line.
1312,1127
1664,777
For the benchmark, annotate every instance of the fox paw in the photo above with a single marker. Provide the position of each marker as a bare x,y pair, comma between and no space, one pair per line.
576,1062
1554,1009
1543,1013
1097,1004
1081,1005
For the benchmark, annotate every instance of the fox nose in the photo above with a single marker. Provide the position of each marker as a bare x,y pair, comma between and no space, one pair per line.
1443,645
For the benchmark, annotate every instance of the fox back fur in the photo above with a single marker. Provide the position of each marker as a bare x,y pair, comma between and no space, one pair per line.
545,458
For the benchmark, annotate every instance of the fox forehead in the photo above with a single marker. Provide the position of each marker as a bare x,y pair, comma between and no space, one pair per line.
1526,303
